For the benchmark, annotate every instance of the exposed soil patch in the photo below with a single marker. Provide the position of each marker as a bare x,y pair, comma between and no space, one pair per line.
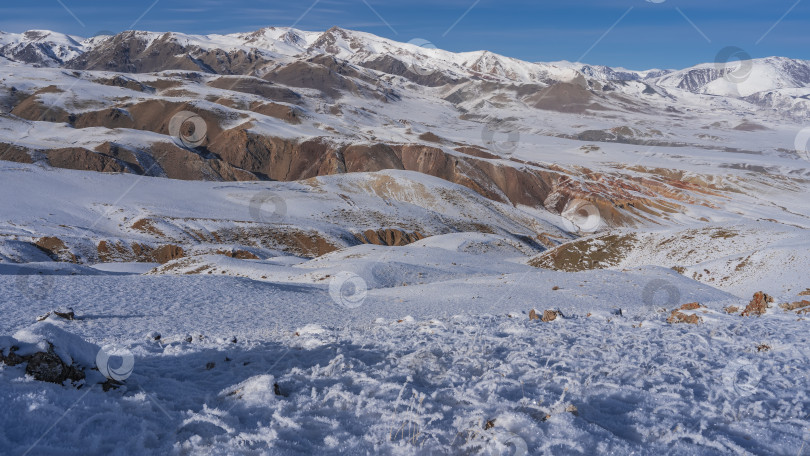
141,253
309,244
84,160
390,237
679,317
256,86
146,225
238,254
127,83
10,152
585,254
476,152
56,249
430,137
795,305
564,97
162,254
750,126
279,111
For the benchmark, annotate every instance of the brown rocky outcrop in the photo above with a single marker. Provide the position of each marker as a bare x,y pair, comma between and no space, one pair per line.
133,52
83,159
162,254
795,305
32,108
44,366
238,254
276,158
118,251
370,158
388,236
256,86
56,249
10,152
758,305
549,315
279,111
676,316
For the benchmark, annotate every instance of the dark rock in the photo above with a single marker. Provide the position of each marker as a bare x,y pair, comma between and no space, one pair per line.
48,367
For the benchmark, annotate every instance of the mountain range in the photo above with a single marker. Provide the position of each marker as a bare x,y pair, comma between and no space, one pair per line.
653,149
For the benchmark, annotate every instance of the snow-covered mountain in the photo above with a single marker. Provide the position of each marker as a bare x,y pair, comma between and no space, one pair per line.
40,47
742,78
50,48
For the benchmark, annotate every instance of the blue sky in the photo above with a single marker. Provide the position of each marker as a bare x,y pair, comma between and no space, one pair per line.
636,34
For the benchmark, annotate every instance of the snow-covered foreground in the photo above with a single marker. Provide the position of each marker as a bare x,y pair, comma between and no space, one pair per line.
449,367
426,348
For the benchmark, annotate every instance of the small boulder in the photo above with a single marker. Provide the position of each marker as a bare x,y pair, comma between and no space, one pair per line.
48,367
549,315
50,353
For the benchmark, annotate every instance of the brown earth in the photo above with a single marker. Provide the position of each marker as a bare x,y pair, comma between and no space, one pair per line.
142,253
127,83
238,254
679,317
588,253
279,111
10,152
146,225
83,159
127,52
430,137
256,86
56,249
564,97
312,75
388,236
795,305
